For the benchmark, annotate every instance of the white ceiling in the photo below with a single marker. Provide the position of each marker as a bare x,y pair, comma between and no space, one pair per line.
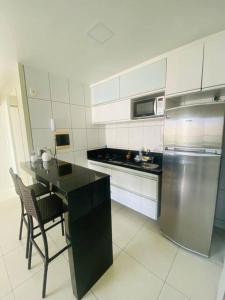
52,34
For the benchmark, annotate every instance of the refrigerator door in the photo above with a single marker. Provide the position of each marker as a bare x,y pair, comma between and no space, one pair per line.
198,126
189,190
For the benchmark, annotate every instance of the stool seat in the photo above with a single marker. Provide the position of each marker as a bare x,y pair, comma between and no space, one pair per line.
51,207
39,189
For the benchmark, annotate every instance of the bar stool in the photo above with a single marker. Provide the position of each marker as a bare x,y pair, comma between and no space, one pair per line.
43,211
39,190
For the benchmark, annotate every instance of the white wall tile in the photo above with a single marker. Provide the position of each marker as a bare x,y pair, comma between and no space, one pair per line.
92,138
78,116
136,135
59,88
135,138
121,138
66,156
42,138
80,158
76,91
88,118
101,137
37,83
61,115
152,138
80,139
111,137
40,113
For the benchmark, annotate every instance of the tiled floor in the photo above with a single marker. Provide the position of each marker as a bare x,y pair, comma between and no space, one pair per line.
146,265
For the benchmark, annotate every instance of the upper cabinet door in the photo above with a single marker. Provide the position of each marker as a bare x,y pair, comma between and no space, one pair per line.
214,61
106,91
184,70
145,79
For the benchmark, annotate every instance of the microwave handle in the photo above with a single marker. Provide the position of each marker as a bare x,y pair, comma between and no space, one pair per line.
155,107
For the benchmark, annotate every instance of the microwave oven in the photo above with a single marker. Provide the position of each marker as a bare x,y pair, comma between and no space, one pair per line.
147,107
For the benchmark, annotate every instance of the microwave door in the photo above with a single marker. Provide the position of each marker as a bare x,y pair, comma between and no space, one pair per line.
144,108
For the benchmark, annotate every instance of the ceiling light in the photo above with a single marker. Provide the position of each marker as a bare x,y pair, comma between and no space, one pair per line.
100,33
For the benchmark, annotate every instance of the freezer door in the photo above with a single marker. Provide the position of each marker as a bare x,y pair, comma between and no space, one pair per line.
198,126
189,190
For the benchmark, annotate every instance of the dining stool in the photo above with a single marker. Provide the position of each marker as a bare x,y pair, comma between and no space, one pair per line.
42,211
39,190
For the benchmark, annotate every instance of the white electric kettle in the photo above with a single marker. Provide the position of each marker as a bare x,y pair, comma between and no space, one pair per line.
46,155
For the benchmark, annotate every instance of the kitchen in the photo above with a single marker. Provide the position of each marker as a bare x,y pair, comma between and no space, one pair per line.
156,129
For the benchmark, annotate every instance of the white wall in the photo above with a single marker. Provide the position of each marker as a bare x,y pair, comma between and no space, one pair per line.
6,153
68,103
136,135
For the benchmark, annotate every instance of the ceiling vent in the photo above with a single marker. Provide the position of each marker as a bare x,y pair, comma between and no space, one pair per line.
100,33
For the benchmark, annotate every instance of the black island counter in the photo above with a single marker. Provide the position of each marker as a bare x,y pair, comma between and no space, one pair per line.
88,220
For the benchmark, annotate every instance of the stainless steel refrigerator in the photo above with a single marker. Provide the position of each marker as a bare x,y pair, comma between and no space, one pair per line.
191,165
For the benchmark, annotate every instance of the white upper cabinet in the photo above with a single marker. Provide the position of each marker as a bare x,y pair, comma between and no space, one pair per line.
214,61
106,91
111,112
184,70
37,83
145,79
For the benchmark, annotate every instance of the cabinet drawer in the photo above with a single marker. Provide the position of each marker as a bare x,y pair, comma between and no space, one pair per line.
99,168
149,188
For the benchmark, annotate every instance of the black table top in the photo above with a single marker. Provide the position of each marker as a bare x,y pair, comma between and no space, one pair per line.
65,176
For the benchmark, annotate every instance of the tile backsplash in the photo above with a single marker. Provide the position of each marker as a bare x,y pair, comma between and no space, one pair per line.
135,135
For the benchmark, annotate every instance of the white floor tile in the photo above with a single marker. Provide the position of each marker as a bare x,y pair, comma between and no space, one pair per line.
169,293
116,206
194,276
16,263
9,297
125,225
116,250
153,251
127,279
5,287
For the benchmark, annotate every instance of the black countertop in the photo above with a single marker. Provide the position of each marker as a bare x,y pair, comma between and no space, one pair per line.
65,176
117,157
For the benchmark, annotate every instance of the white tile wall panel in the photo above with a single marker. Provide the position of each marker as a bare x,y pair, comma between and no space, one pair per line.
59,88
101,137
40,113
61,115
66,156
76,91
122,139
78,117
135,138
93,138
80,139
42,138
80,158
37,83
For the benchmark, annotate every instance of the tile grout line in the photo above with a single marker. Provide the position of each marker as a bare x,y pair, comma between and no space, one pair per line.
168,274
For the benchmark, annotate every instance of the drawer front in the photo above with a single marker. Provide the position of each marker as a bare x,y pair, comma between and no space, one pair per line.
149,188
99,168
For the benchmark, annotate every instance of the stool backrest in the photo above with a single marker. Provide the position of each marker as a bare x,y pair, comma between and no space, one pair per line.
16,186
29,200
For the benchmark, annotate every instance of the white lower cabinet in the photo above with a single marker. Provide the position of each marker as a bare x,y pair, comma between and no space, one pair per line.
134,189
